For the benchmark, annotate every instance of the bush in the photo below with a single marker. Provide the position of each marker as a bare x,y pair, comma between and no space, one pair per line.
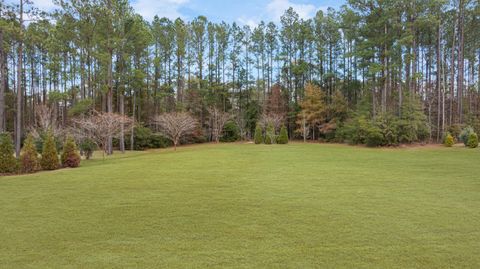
472,141
196,137
449,141
29,156
87,147
158,141
8,163
145,138
465,135
375,137
283,137
230,132
389,128
355,131
70,156
386,130
270,137
258,134
41,138
455,130
49,160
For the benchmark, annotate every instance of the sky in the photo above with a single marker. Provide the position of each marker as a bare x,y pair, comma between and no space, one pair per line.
249,12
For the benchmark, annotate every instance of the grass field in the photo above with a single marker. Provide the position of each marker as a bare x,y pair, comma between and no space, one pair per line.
249,206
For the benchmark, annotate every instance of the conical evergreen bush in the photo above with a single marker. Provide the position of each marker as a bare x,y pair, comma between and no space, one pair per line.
283,137
49,159
29,156
449,141
472,141
8,163
270,137
70,155
258,135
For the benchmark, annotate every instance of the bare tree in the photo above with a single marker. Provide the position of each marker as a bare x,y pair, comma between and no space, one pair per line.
241,124
45,121
100,127
272,118
303,126
218,119
175,125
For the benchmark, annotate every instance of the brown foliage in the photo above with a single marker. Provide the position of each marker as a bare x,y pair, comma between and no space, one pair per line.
276,102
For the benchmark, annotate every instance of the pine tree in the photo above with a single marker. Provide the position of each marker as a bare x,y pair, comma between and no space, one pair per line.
283,137
49,160
70,156
8,163
29,156
258,134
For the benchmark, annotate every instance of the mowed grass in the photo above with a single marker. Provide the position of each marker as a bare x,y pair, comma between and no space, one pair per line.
249,206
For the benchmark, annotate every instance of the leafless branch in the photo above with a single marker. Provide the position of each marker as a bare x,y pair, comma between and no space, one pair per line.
175,125
99,126
218,119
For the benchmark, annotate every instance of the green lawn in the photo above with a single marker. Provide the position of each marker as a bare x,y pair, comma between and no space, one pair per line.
249,206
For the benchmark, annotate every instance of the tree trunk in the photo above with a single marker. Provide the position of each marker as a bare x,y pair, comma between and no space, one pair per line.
439,94
122,131
2,84
110,96
132,135
461,63
452,70
18,119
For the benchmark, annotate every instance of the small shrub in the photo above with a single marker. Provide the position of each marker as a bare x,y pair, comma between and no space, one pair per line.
41,139
70,156
230,132
449,141
141,138
375,137
29,156
87,147
455,130
388,126
8,163
144,138
258,134
465,135
283,137
270,137
472,140
49,160
158,141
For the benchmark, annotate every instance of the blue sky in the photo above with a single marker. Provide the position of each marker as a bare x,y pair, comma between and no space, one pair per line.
244,11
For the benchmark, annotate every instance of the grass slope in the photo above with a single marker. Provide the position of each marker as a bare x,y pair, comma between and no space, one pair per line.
248,206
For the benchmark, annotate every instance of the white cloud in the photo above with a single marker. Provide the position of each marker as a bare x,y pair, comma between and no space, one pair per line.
252,22
163,8
277,7
44,4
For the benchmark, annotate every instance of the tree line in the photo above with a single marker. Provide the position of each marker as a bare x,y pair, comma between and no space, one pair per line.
381,72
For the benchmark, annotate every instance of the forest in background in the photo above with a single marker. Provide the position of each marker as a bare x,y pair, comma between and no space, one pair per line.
372,72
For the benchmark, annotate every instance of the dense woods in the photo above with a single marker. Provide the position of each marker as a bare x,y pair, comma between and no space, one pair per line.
372,72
